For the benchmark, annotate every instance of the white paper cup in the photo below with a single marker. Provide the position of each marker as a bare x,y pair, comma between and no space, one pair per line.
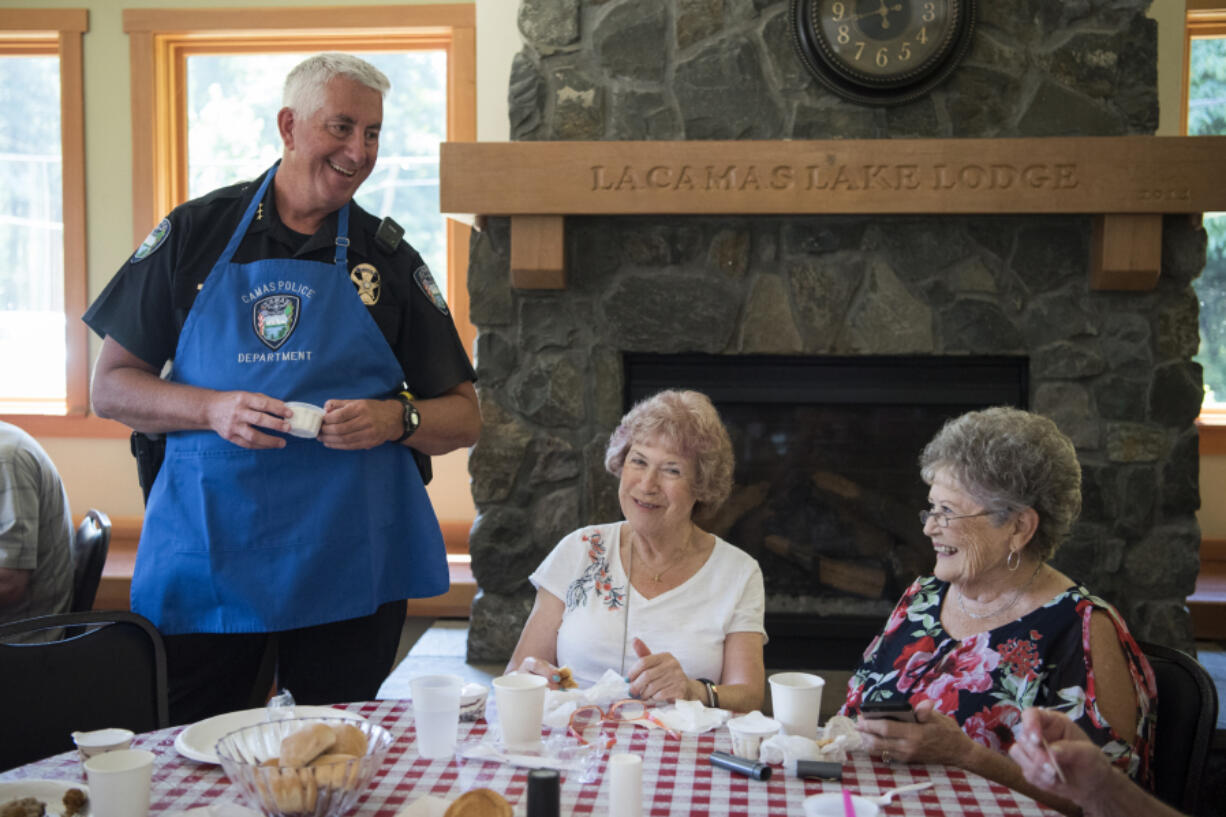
521,707
306,420
119,783
748,733
830,804
625,785
796,700
436,713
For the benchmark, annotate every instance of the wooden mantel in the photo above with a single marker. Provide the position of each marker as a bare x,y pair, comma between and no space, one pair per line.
1127,183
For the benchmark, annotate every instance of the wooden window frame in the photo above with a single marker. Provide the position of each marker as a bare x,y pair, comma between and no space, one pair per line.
1205,18
60,32
160,40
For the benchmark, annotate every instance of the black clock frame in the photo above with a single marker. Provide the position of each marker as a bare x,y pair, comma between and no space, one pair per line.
805,40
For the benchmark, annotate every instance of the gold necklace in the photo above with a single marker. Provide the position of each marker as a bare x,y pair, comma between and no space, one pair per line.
658,577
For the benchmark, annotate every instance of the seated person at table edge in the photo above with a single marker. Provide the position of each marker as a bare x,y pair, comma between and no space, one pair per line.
278,290
1072,767
997,629
35,531
675,610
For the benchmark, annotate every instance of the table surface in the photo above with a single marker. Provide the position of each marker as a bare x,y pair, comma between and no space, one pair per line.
677,778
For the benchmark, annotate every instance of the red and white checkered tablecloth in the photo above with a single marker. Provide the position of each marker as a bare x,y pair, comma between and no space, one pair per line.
677,778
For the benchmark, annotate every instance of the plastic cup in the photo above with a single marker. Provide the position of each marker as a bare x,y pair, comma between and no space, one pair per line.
436,713
748,732
521,708
306,420
796,700
119,783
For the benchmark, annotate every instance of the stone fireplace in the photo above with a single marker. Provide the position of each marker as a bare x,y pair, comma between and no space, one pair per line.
557,368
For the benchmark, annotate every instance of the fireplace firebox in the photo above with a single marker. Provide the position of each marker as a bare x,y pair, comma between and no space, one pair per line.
827,487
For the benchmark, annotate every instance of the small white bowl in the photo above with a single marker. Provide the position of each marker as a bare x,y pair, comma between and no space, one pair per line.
102,740
306,420
830,804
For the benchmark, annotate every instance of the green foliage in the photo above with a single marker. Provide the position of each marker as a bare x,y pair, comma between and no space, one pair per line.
1207,116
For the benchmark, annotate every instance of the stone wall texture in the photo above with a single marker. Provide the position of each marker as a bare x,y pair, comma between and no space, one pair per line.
1113,369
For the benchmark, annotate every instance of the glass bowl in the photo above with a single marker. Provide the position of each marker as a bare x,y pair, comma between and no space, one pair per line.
329,790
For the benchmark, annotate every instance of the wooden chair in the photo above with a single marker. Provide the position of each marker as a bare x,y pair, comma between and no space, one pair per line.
99,669
89,549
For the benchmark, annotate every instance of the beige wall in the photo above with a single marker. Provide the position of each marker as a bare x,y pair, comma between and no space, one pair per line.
101,473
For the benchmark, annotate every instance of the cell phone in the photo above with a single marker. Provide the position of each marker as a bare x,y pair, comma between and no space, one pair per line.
897,710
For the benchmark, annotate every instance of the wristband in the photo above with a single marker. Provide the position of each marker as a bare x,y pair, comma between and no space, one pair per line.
712,692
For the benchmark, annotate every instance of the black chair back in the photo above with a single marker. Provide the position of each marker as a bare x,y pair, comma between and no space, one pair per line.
89,549
103,669
1187,716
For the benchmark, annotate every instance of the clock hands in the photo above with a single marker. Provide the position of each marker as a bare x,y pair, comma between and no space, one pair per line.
883,12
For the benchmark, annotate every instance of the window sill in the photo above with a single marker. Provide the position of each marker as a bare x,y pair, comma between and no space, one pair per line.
73,425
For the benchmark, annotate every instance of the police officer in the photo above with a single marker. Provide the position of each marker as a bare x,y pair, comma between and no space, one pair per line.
260,294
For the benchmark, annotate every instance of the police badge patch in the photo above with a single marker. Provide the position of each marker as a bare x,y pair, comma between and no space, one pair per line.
274,319
152,241
366,278
426,281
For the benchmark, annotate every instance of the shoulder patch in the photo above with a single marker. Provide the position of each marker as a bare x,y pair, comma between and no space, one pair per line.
152,241
426,281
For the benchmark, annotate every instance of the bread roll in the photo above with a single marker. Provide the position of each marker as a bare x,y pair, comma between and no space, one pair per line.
350,740
479,803
330,770
301,747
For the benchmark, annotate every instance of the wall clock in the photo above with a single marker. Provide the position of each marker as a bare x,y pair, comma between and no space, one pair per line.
881,52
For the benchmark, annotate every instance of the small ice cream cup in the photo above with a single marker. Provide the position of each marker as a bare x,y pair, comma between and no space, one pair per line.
748,732
472,701
306,420
101,740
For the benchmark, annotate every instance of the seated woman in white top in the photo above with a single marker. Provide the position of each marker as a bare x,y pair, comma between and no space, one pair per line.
675,610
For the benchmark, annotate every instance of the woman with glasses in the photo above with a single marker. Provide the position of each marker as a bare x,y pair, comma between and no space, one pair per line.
675,610
996,628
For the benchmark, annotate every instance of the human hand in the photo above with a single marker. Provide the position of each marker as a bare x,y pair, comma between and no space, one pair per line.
933,738
657,676
355,425
236,416
1050,747
541,667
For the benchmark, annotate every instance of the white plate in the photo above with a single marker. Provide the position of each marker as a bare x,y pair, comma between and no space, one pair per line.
50,792
199,741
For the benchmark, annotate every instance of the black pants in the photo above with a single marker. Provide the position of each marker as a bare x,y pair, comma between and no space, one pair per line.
332,663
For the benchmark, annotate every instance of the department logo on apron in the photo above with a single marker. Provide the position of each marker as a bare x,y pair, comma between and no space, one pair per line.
274,319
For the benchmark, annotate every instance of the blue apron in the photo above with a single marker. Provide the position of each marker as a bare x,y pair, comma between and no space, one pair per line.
238,540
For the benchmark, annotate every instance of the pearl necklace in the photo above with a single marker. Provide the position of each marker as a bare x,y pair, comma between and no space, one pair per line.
1008,606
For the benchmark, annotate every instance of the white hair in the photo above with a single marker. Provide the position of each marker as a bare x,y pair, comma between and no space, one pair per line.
305,85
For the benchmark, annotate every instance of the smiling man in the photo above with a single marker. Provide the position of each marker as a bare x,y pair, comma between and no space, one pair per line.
258,543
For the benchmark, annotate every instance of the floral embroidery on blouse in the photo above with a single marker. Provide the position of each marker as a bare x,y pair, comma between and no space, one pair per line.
596,578
986,680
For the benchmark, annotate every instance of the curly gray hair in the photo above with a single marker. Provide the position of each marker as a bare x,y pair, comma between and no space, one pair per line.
1009,459
305,84
687,421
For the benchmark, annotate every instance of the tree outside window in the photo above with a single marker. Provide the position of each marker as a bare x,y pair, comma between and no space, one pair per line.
1207,116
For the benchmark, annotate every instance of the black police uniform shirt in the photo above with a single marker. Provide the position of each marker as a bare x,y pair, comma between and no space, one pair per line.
145,305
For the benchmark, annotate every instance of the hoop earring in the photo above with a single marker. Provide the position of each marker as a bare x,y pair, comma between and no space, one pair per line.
1014,561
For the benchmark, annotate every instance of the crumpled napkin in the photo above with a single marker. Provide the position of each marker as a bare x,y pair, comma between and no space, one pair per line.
691,717
560,703
837,739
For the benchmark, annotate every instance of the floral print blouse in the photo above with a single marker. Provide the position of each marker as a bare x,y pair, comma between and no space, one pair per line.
986,680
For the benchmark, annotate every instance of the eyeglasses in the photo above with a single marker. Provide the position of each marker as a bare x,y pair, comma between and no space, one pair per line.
943,518
628,710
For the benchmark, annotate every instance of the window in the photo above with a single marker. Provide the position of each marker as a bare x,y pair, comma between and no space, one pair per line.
213,80
43,350
1205,114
